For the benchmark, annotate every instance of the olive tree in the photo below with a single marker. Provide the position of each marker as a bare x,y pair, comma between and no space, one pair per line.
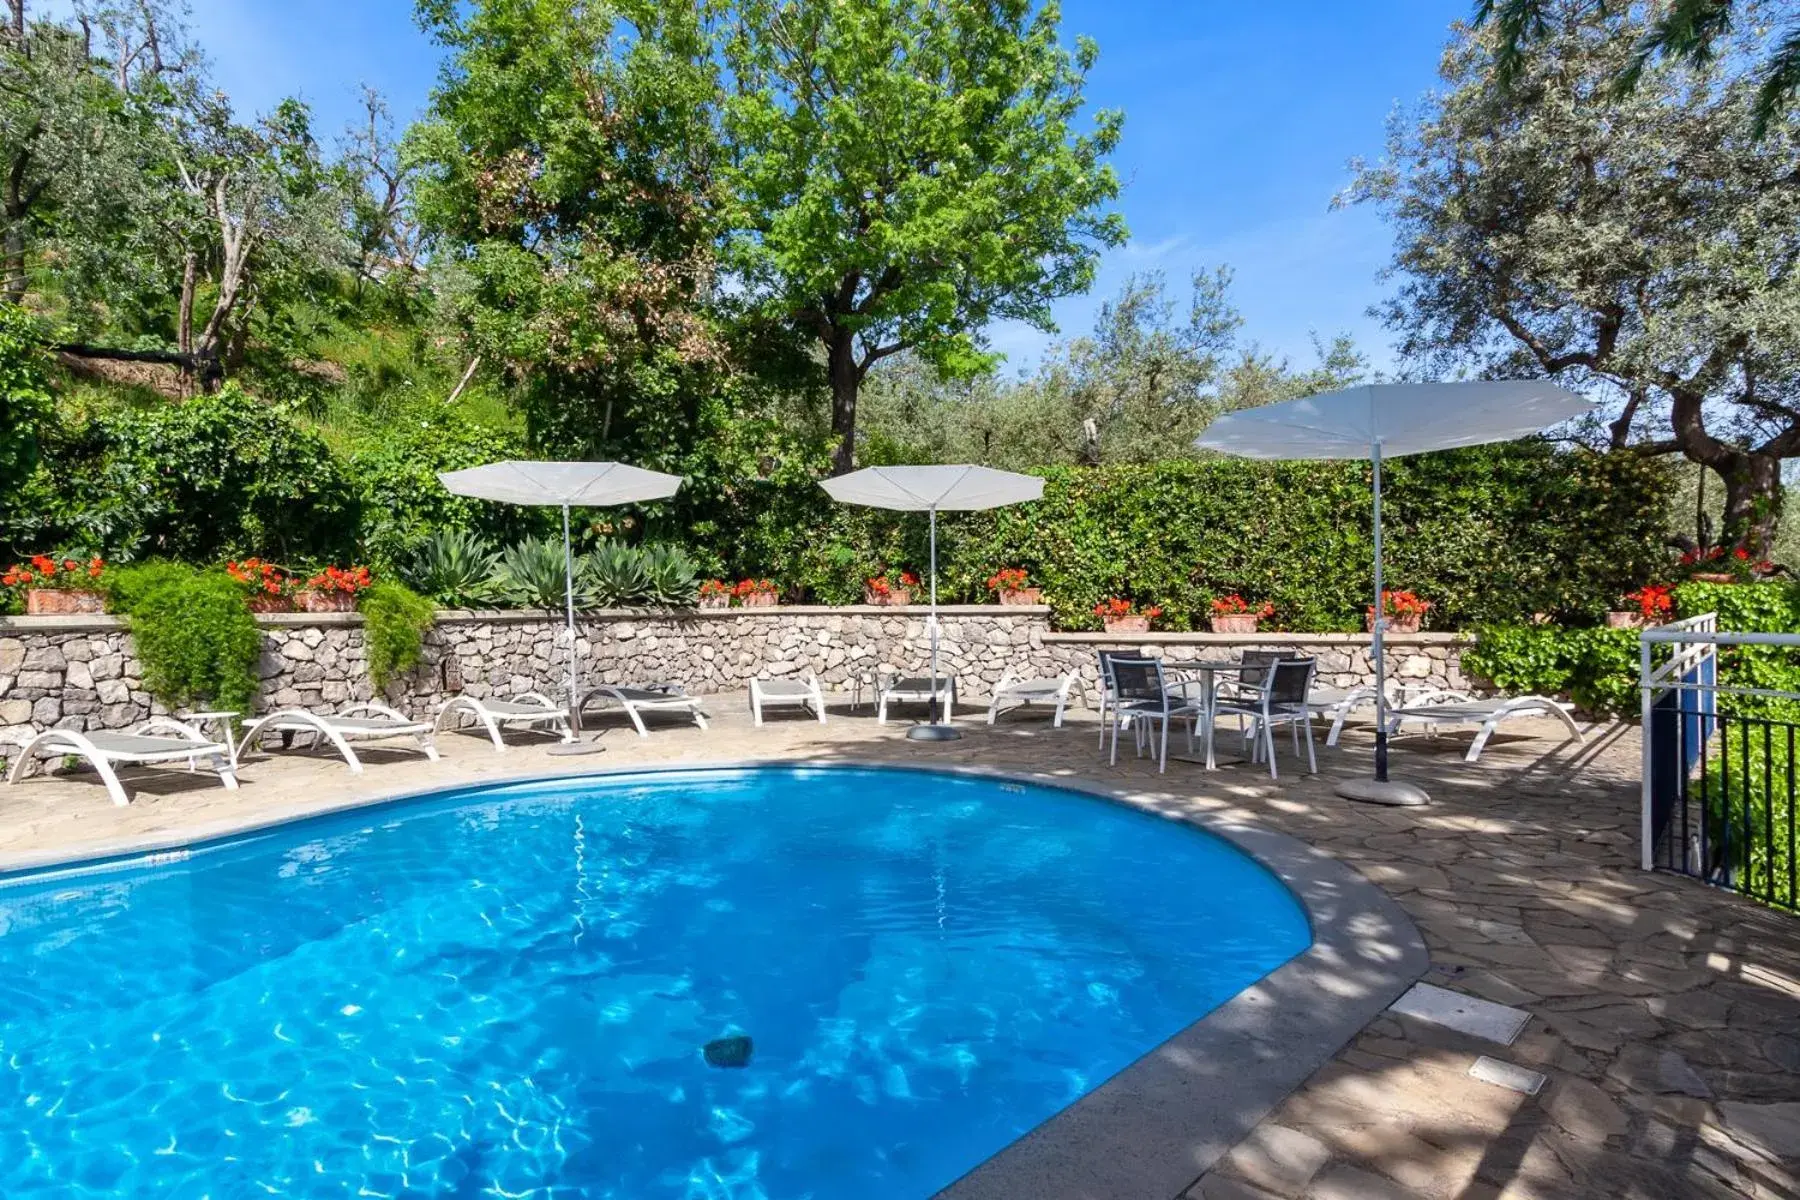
1641,245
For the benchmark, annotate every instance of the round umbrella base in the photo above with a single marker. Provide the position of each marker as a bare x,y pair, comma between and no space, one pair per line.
1395,792
568,748
933,733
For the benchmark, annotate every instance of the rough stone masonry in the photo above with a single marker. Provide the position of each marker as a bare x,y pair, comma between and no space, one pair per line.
81,672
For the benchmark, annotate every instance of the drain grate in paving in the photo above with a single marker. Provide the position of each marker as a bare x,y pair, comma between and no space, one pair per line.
1465,1014
1506,1075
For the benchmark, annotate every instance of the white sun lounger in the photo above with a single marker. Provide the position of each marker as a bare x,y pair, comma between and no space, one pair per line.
1016,693
109,750
899,689
1435,710
528,710
342,728
639,700
805,694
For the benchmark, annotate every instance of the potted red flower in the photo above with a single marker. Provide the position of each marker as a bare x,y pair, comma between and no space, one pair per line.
1404,611
333,590
1649,605
715,593
1715,565
267,587
1012,586
1124,616
1234,614
58,586
890,588
757,593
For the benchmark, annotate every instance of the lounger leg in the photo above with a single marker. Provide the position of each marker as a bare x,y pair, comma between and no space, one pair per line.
699,717
1481,739
818,698
881,713
632,712
1062,702
564,731
227,776
755,708
493,733
430,747
111,779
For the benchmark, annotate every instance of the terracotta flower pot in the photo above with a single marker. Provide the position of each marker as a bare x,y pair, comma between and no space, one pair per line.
262,602
759,599
62,602
723,600
892,598
1624,620
1135,624
1021,595
318,600
1234,623
1398,623
1714,577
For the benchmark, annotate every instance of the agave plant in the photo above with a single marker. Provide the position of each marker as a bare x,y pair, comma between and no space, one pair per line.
613,575
671,578
533,574
453,567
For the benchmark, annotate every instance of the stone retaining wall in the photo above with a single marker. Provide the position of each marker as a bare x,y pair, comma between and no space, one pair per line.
80,672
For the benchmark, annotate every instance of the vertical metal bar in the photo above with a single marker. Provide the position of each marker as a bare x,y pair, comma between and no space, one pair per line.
569,603
934,619
1793,902
1381,737
1768,882
1646,722
1706,799
1744,846
1681,781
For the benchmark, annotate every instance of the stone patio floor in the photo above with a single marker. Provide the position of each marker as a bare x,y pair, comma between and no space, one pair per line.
1665,1015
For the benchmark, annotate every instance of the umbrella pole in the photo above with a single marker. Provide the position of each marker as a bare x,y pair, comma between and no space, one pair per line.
1381,737
933,732
1381,789
569,608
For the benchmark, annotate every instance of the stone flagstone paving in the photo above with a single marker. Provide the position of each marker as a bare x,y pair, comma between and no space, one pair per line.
1665,1015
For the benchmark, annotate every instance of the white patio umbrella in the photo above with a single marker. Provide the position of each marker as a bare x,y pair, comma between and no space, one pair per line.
1386,420
929,489
565,485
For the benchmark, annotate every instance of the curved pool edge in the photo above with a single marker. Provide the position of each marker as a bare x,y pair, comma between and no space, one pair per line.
1153,1128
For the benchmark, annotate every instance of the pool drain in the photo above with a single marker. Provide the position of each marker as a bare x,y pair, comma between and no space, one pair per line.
728,1052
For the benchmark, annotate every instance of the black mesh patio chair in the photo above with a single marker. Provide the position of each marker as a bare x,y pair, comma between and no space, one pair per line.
1142,701
1280,700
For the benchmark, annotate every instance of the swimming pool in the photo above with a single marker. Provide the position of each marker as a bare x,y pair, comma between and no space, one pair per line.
507,991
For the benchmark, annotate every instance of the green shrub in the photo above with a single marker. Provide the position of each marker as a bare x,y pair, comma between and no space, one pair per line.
196,638
215,477
395,621
613,575
1597,668
25,401
534,574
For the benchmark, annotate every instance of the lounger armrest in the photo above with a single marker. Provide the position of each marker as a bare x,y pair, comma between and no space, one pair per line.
375,708
180,729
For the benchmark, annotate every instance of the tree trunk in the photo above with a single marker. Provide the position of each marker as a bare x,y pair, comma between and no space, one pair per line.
846,380
184,320
1753,496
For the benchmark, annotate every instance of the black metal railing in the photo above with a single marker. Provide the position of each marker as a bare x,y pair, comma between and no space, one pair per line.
1723,795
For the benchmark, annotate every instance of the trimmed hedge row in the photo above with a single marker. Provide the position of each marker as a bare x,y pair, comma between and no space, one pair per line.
1489,535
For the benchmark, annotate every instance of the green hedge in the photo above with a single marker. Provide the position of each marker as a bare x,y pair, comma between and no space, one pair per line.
1492,534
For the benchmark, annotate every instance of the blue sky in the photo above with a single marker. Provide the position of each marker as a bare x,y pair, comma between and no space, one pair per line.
1240,120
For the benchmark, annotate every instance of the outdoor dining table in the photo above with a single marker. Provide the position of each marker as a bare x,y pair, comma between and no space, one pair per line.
1203,672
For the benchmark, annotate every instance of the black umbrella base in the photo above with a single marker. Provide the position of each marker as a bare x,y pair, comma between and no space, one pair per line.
1394,792
933,733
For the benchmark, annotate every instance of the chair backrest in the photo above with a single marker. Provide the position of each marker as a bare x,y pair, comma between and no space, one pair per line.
1107,658
1139,680
1254,665
1290,680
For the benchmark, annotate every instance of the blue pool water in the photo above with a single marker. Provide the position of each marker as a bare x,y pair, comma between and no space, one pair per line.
506,992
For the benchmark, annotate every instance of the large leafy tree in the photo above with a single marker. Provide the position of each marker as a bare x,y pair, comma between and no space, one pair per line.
901,173
1641,245
565,177
1686,30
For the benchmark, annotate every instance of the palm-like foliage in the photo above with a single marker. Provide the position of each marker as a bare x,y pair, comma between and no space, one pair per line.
613,575
455,568
533,574
671,578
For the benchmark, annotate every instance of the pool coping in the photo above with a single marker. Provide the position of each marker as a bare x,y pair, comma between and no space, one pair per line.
1156,1126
